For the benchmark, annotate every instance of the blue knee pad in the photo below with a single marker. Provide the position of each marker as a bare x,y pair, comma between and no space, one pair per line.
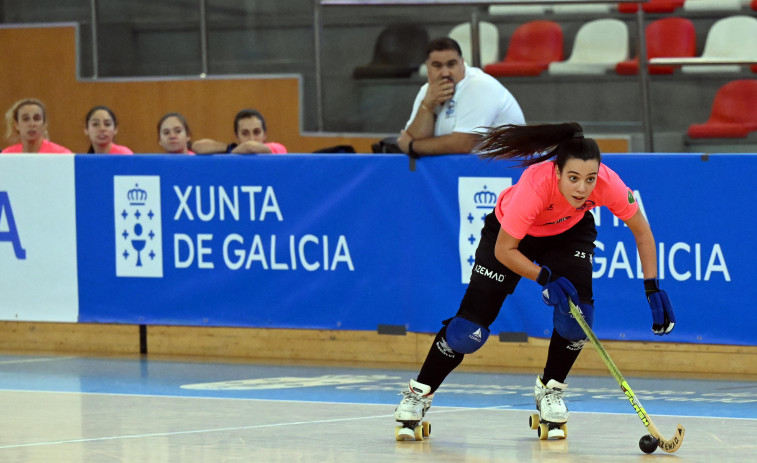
567,326
464,336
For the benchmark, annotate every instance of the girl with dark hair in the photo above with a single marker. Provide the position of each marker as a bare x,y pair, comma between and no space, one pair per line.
541,229
251,133
174,135
101,127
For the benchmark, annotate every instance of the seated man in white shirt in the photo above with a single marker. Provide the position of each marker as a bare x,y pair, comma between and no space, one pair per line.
456,103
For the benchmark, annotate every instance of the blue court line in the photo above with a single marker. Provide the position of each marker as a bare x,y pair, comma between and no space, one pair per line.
674,397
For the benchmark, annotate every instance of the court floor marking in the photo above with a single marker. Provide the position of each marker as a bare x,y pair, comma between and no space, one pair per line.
32,360
199,431
437,408
437,411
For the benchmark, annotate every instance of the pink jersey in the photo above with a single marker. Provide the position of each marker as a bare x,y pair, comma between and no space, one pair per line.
47,147
535,207
119,149
276,148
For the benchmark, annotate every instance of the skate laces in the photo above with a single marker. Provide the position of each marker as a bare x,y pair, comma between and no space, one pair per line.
412,398
553,396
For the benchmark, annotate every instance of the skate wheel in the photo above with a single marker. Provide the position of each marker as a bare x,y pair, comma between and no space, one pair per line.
418,432
403,433
542,431
564,429
533,421
426,428
556,433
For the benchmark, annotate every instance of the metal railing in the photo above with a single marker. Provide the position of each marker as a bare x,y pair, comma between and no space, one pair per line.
476,6
476,47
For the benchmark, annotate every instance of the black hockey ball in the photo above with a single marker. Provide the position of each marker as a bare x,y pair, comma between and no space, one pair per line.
648,443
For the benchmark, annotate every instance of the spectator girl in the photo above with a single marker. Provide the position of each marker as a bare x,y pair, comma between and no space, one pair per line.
26,123
174,135
101,127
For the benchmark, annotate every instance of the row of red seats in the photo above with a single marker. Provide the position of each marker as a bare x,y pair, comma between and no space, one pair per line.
660,6
536,44
651,6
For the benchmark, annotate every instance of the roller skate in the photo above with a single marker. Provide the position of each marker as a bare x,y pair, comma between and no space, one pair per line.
552,419
410,412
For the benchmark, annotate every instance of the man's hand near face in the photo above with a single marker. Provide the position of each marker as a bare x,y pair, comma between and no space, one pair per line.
439,92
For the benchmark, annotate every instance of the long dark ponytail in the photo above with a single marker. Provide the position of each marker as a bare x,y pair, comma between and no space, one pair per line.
531,144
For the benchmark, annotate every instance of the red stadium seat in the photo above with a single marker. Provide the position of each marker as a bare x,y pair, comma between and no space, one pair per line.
652,6
666,38
733,112
532,47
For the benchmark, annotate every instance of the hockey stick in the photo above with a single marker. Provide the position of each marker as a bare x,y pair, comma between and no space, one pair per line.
669,446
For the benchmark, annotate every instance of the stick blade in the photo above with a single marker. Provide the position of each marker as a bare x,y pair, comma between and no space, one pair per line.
674,443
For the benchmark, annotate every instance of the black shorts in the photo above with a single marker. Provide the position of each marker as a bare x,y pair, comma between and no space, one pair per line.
569,254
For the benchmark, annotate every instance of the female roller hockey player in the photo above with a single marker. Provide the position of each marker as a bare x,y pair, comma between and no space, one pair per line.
543,218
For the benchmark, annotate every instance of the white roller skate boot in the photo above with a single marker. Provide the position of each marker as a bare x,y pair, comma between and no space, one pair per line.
411,410
553,414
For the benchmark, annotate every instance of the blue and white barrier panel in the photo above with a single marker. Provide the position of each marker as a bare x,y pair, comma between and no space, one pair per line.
348,242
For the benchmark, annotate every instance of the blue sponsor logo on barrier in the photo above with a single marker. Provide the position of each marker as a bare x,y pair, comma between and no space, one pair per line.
11,234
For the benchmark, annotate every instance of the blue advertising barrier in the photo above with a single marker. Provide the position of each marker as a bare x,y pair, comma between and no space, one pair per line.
356,241
700,212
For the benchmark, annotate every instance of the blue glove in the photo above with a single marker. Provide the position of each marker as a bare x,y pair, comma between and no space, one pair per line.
556,290
663,318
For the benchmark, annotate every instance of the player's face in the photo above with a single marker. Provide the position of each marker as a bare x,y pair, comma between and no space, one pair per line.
577,180
30,123
445,64
250,128
100,128
173,136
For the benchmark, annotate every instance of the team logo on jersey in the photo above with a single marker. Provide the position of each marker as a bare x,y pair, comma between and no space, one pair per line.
588,204
450,112
631,199
139,235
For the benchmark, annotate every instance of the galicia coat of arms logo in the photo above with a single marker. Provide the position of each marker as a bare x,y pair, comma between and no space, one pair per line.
138,232
477,197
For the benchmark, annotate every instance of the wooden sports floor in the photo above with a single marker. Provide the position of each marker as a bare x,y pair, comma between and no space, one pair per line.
63,409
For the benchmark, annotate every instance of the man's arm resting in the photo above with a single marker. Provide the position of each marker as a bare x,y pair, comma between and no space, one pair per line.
423,123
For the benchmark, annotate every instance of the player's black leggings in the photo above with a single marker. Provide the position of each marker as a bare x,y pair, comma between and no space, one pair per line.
568,254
